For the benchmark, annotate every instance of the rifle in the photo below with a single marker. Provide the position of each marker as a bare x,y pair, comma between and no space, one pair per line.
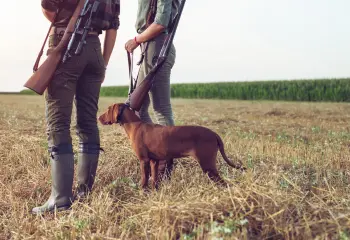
138,94
41,78
86,30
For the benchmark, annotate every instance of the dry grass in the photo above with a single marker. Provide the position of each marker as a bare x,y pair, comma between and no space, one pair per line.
296,186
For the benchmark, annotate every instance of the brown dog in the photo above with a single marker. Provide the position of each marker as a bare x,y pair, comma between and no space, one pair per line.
153,142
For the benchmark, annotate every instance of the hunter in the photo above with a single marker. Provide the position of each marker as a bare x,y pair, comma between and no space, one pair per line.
78,80
153,19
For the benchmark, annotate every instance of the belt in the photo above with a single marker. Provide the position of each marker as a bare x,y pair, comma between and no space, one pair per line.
57,33
60,31
93,33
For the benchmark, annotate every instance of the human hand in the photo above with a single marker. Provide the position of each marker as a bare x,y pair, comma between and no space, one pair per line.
131,45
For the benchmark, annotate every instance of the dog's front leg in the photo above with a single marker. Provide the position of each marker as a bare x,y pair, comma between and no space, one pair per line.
154,171
145,171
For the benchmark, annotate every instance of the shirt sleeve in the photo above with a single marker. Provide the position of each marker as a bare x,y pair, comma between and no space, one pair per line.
115,23
50,5
163,12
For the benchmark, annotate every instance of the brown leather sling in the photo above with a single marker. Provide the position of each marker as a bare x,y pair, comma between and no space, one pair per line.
36,65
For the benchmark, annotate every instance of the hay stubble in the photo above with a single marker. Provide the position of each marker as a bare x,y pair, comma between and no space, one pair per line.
296,186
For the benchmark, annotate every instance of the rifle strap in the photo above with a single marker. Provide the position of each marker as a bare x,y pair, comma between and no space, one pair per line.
152,12
36,65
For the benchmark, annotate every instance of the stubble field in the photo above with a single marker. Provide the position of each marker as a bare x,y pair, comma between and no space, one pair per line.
296,185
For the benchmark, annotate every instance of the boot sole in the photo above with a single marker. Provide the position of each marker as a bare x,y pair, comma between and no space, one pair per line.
59,209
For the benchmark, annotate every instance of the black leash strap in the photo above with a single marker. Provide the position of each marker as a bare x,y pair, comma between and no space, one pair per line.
131,78
133,81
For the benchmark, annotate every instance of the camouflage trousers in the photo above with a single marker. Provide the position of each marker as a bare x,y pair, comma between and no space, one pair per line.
160,93
78,80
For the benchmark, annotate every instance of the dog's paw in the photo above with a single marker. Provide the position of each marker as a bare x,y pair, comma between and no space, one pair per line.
145,191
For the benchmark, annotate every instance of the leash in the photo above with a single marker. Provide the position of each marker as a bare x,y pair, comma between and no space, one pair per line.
131,78
130,56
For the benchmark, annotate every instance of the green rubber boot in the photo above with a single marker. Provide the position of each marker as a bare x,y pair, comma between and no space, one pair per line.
62,171
87,166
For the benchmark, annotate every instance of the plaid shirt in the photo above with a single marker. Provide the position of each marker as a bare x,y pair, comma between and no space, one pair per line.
107,16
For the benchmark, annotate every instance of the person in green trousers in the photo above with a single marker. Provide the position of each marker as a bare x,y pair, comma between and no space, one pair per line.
77,80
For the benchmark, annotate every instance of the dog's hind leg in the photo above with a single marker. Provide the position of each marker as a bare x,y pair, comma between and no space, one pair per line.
207,162
214,176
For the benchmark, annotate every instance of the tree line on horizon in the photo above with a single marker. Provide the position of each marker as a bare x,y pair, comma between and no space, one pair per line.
332,90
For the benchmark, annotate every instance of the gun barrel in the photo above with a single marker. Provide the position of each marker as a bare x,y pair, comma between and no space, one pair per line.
70,45
173,28
81,43
95,6
87,27
88,6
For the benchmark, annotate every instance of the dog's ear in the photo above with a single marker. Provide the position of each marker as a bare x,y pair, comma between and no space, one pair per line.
114,113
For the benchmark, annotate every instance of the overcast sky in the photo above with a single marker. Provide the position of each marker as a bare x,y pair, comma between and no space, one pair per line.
223,40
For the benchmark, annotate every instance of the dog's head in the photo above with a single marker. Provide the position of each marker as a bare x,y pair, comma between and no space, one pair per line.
113,114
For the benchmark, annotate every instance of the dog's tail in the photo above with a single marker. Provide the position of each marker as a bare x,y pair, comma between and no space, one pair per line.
223,154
